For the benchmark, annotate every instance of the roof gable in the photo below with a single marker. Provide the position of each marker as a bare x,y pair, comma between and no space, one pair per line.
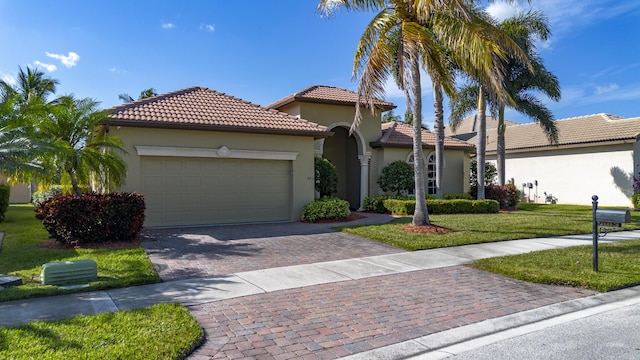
327,95
398,134
203,108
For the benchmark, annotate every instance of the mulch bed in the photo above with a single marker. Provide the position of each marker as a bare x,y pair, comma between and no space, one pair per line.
428,229
53,244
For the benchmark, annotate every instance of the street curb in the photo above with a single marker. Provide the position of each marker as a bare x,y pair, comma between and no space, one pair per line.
436,346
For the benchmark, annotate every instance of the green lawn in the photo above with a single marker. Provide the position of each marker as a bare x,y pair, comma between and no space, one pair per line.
23,256
165,331
529,221
618,266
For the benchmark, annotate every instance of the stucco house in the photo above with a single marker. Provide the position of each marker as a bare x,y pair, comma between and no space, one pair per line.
20,193
596,155
204,157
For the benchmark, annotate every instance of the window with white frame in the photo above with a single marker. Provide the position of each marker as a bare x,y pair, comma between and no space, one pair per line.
430,172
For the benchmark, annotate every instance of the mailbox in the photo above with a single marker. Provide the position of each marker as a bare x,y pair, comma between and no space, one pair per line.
614,218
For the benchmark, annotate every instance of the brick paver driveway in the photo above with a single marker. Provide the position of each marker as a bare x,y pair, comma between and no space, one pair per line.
180,253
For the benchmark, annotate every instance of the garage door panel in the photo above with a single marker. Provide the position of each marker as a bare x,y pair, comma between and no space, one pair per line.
192,191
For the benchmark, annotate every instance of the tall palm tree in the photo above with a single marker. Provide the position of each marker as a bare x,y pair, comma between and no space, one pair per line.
31,84
521,80
79,145
422,26
146,93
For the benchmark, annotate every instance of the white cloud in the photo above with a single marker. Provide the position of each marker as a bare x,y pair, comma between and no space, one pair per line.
606,89
167,25
69,60
208,27
48,67
501,10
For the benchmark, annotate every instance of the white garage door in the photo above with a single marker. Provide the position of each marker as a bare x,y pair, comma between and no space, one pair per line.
199,191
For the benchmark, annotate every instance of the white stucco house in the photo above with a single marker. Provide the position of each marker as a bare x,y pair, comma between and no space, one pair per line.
596,155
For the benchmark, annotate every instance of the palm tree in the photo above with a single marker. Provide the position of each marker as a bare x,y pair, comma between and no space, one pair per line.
421,26
146,93
31,84
79,145
521,79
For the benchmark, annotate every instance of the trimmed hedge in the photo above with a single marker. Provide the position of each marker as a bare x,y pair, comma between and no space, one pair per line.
5,191
92,217
463,196
435,207
376,203
325,208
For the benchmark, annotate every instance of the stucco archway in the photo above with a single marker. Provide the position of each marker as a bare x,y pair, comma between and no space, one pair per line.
348,154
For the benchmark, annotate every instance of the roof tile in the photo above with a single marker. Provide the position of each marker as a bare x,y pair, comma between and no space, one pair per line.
400,134
203,107
327,94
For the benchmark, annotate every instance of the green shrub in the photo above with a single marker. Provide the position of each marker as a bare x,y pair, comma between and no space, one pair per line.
490,173
42,195
507,196
325,208
463,196
326,178
436,207
396,177
5,192
92,218
375,203
635,199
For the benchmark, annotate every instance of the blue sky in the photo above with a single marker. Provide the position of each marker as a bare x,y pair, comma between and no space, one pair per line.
263,50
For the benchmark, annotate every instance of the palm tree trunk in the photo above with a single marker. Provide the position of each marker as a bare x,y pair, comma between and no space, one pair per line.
74,182
501,150
482,142
421,214
439,130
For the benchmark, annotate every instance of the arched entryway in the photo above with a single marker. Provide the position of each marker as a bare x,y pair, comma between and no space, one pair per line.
344,153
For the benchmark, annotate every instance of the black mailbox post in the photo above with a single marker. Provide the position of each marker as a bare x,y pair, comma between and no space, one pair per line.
605,218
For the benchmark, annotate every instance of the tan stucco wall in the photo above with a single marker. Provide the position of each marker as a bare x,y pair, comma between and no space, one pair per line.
19,193
302,167
456,170
574,175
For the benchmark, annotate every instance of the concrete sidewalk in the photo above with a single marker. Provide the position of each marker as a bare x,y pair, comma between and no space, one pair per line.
205,290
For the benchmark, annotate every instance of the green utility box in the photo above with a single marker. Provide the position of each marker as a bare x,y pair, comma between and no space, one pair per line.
69,272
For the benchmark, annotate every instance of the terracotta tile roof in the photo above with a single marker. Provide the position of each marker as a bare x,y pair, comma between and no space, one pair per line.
470,125
327,95
575,131
398,134
203,108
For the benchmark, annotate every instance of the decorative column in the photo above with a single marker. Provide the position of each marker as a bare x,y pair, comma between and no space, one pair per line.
364,177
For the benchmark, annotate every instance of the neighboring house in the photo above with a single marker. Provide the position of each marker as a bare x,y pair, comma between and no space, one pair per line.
360,157
596,155
19,193
204,157
468,127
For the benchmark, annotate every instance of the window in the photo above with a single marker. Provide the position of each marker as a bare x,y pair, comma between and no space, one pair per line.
430,172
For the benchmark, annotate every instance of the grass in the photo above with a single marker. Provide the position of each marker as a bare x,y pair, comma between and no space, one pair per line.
165,331
23,256
529,221
618,266
618,262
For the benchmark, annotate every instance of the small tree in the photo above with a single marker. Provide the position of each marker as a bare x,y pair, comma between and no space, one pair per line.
326,177
397,176
490,173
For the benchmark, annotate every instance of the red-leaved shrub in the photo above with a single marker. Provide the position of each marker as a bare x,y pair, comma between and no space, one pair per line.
508,196
92,217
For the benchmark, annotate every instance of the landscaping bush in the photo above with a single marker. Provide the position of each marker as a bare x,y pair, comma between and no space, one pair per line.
5,191
507,196
490,173
42,195
325,208
92,217
463,196
326,178
396,177
435,207
635,200
376,203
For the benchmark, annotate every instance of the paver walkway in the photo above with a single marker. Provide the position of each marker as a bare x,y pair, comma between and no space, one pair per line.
339,319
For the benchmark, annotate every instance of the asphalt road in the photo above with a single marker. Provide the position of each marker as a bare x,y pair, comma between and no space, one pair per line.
608,335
